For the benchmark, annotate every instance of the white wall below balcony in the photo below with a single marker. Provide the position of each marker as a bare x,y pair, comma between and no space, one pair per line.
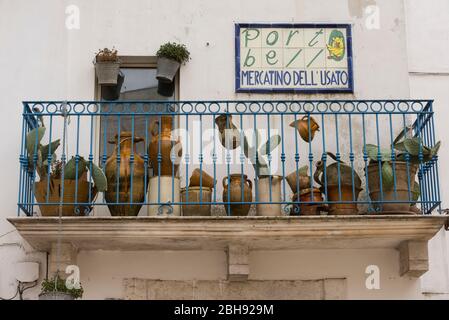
42,60
100,280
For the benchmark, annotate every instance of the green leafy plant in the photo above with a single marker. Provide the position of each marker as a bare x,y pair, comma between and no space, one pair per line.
36,149
174,51
106,55
404,147
56,284
256,152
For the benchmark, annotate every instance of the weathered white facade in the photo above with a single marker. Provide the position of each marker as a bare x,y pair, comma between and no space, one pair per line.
399,51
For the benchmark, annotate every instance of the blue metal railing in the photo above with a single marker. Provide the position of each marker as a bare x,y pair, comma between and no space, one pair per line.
230,142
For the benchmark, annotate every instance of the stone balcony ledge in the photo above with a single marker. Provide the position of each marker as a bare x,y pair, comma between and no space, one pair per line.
239,235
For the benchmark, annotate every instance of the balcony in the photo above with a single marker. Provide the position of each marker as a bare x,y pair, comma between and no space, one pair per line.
234,175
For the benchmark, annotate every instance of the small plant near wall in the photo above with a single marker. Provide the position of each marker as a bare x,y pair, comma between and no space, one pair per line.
170,57
57,289
104,55
107,66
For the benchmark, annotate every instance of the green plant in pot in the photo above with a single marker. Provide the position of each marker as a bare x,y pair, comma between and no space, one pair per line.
268,185
107,67
342,184
170,57
56,288
394,181
58,179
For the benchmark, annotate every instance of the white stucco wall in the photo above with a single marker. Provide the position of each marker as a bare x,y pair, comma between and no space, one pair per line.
428,43
40,59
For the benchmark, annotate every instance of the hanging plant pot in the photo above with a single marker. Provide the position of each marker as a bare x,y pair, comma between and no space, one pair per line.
107,72
107,67
113,92
56,295
165,89
166,69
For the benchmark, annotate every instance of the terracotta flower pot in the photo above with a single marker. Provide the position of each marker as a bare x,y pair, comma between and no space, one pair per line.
304,209
346,192
233,193
405,179
162,143
196,195
264,185
205,180
119,178
70,196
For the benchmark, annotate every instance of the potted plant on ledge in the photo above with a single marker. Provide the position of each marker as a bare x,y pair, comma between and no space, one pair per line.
57,179
56,289
170,57
268,185
107,67
392,183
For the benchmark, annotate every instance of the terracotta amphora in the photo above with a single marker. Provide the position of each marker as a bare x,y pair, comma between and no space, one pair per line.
120,186
163,143
235,194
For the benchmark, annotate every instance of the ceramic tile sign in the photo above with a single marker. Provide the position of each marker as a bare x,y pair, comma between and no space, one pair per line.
298,58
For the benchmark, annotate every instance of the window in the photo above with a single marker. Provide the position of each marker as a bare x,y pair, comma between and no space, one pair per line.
138,83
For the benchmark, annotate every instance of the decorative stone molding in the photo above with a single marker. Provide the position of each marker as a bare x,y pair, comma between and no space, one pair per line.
321,289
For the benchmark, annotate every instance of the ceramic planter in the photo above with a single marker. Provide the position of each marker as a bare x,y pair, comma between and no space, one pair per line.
119,178
72,192
198,195
161,196
305,209
346,193
405,179
342,184
107,72
55,296
166,69
238,190
201,178
264,184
